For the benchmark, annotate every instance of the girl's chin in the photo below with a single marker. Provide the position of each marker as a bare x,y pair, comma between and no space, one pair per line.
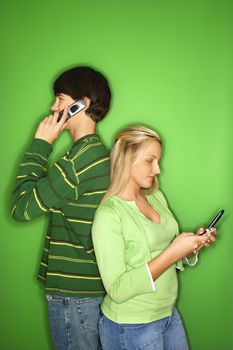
148,184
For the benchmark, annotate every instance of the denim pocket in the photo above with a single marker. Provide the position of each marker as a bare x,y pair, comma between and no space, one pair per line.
141,336
89,310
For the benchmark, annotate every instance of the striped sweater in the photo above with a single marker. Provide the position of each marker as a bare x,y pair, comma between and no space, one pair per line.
69,194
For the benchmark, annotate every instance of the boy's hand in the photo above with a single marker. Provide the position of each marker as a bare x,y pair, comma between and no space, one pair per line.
49,129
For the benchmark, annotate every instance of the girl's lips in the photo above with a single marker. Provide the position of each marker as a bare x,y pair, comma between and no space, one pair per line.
151,178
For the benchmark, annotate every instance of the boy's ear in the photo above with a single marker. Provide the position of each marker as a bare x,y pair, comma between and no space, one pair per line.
87,102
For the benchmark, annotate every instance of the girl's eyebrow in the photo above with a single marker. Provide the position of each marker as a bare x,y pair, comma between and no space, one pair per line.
151,155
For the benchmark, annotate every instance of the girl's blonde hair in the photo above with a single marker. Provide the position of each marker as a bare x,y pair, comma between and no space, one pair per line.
130,143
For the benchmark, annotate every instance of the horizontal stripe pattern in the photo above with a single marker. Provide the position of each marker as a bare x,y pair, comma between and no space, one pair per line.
38,155
70,193
74,292
66,275
105,159
65,175
64,258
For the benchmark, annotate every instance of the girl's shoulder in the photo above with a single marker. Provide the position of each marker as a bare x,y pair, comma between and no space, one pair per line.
112,206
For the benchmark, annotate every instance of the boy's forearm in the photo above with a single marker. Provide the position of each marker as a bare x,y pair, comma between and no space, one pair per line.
31,169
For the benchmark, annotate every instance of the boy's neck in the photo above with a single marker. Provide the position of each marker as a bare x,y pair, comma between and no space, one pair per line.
81,127
78,133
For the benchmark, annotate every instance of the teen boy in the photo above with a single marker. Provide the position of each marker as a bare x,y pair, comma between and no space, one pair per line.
69,194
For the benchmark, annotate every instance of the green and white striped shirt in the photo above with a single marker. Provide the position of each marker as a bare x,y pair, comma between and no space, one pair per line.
69,194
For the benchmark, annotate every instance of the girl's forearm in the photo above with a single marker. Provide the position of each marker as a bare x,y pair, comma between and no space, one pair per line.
164,260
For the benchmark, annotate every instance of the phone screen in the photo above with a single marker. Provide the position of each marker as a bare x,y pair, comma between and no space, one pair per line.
73,109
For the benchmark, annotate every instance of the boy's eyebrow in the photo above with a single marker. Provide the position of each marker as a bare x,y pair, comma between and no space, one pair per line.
61,95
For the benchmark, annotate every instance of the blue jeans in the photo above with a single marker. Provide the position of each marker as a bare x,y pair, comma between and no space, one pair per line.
165,334
74,322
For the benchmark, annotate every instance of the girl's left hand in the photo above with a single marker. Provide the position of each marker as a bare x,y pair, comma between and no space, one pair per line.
211,236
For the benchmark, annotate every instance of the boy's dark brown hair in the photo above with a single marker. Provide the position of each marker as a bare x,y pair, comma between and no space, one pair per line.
80,82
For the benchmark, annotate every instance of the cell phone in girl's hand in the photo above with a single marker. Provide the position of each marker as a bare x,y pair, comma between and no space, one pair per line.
213,222
73,109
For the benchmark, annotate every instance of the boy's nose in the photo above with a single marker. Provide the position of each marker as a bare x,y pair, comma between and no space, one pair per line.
54,107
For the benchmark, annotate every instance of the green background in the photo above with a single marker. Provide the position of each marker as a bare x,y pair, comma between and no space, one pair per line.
170,64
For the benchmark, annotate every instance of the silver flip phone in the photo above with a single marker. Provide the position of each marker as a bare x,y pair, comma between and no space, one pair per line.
73,109
76,107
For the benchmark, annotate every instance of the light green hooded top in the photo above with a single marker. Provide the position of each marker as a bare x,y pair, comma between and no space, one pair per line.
124,242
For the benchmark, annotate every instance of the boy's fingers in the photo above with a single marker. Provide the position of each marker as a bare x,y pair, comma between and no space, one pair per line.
63,126
55,116
64,116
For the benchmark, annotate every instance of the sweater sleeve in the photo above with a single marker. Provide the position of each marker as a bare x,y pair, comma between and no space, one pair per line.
120,281
38,191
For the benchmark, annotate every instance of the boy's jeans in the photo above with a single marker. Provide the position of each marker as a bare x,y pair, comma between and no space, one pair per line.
74,322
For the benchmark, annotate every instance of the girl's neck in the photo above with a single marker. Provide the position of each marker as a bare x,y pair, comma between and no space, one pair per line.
131,193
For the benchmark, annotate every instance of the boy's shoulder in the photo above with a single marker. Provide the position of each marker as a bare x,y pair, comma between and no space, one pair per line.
88,146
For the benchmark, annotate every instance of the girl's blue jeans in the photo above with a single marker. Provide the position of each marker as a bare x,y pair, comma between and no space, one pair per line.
165,334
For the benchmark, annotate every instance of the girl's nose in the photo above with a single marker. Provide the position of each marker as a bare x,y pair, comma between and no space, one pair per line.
156,169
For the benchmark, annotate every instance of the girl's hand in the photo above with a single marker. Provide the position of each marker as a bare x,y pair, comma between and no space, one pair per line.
211,236
184,245
188,243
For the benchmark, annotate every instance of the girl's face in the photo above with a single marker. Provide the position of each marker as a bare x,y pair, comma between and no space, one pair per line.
144,171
